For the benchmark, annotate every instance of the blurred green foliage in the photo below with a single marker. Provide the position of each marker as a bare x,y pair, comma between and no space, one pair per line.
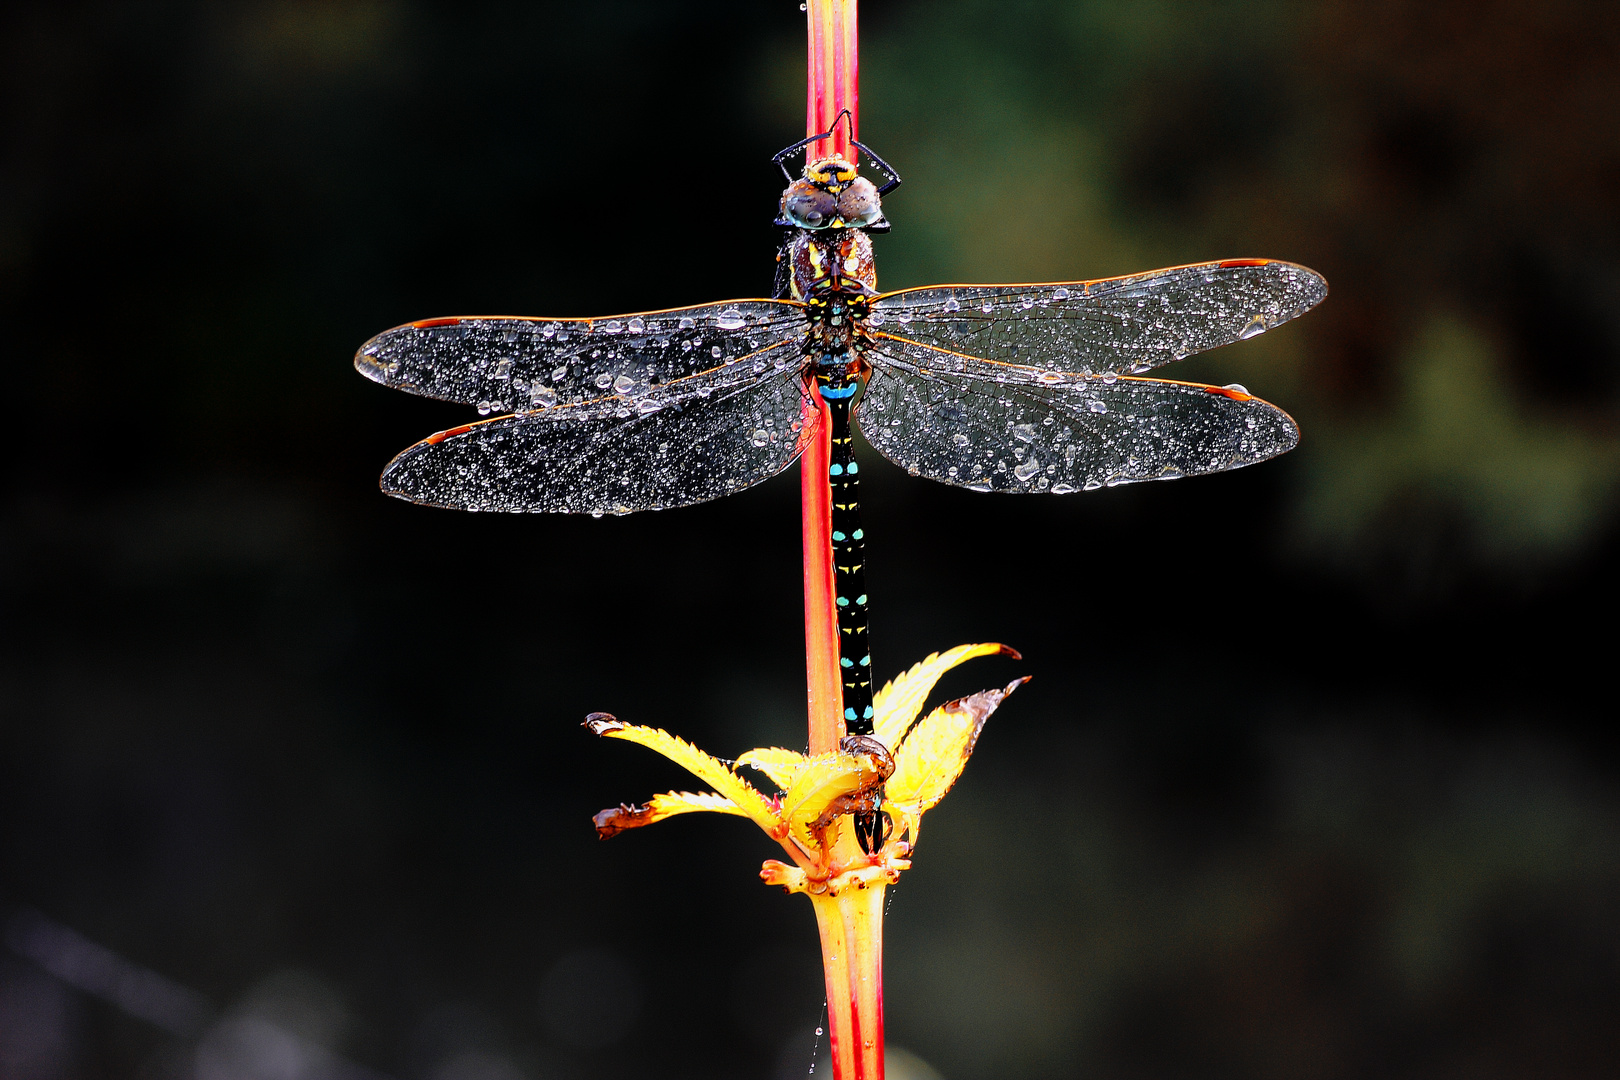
1439,157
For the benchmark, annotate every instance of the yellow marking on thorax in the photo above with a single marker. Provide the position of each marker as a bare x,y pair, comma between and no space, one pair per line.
816,263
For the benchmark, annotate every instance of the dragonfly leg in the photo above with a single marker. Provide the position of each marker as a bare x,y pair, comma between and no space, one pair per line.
785,151
894,177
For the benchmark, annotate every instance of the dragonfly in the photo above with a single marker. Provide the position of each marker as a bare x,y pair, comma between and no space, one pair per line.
1037,388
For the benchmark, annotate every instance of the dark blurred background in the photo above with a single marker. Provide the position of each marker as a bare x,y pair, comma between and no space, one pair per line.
1314,778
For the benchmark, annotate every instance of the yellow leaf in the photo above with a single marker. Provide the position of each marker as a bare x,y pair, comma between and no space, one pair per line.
711,770
782,766
896,705
934,754
824,779
617,820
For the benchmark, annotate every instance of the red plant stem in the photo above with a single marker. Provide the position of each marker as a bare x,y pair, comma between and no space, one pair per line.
834,71
820,616
850,917
852,954
832,89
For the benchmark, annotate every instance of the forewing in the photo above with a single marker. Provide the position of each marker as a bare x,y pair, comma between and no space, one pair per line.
508,364
995,427
1120,325
672,445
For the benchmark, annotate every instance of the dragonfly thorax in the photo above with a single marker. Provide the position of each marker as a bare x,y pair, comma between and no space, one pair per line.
837,337
838,260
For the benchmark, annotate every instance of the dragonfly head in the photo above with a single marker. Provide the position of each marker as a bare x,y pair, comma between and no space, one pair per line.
832,195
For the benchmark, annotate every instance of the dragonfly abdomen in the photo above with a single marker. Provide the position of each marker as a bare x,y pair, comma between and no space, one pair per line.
849,554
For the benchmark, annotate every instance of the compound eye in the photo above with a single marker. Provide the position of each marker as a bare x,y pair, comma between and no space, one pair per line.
859,203
807,206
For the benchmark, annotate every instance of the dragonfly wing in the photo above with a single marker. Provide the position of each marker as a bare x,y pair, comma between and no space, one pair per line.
992,427
1123,325
511,363
674,445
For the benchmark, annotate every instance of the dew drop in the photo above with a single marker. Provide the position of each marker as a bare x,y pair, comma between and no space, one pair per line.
1027,469
686,322
485,408
729,319
603,381
1254,328
987,307
760,437
637,325
714,351
613,326
952,305
903,318
623,383
1239,387
1060,293
542,397
559,374
959,439
1024,432
1096,406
